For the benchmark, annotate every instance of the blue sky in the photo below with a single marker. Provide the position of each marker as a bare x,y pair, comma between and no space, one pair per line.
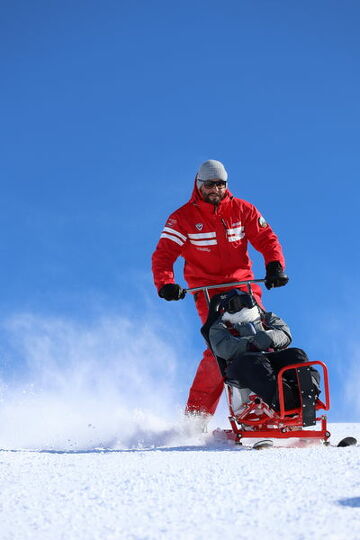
107,110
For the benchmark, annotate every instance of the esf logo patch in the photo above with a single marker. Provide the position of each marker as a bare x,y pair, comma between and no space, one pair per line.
262,221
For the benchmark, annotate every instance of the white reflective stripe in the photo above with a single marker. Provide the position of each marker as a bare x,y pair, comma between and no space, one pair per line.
236,230
173,238
237,233
204,242
172,231
202,235
235,238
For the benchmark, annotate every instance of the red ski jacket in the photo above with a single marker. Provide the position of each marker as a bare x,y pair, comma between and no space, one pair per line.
213,240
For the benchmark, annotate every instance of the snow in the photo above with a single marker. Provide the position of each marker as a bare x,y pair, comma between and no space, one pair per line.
192,488
88,453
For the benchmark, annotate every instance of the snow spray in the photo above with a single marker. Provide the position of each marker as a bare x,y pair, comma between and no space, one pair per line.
76,387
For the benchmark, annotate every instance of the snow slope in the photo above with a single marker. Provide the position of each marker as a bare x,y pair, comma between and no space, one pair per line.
182,490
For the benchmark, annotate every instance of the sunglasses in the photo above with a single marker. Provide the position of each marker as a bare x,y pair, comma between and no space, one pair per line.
211,183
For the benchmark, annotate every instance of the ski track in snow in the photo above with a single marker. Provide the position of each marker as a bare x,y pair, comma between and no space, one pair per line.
182,492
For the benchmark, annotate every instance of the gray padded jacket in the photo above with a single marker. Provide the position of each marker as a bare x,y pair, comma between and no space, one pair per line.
267,332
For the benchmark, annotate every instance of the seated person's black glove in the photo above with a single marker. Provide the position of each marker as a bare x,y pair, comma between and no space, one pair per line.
172,291
261,341
275,276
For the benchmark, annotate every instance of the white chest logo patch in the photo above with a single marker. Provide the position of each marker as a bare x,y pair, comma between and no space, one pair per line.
199,226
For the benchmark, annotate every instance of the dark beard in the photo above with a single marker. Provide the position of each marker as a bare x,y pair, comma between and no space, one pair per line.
213,198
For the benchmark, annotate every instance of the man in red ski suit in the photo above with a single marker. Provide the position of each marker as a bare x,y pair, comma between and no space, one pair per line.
211,232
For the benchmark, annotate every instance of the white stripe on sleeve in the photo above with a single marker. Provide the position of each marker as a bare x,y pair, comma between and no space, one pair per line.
176,233
173,238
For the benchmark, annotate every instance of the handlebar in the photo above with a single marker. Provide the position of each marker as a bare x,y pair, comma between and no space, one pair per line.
206,288
222,285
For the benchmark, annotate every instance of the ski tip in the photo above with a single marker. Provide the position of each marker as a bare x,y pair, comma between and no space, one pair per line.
263,445
347,441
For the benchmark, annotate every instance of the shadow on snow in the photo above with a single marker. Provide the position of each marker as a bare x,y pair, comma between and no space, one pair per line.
352,502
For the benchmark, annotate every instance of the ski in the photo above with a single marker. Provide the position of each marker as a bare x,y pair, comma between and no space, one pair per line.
347,441
227,436
263,445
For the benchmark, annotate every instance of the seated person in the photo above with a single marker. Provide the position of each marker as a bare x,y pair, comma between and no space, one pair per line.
251,347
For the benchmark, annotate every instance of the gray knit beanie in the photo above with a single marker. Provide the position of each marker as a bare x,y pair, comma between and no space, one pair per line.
210,170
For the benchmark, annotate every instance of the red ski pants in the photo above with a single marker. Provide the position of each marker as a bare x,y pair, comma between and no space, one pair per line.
208,383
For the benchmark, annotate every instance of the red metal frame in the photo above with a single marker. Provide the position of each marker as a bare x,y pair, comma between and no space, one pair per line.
257,420
325,406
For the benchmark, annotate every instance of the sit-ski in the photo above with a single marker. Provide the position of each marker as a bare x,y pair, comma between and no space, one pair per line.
251,418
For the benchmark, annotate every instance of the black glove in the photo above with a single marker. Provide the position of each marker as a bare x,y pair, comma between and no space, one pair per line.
172,291
275,276
261,341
